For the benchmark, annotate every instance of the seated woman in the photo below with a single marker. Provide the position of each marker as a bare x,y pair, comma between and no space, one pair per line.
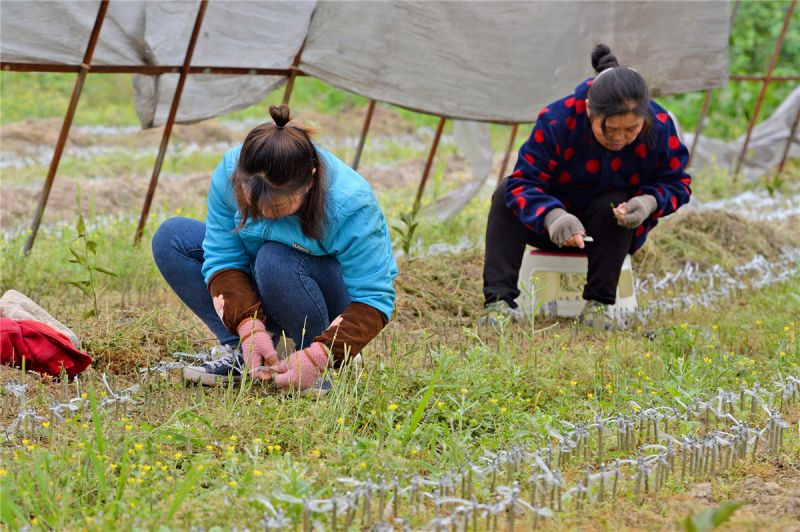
294,241
604,162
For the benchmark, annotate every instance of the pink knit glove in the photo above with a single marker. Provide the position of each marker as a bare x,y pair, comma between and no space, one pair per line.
304,368
257,349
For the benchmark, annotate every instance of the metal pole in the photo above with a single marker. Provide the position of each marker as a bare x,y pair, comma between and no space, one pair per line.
788,143
699,128
364,130
65,126
773,79
511,140
429,163
150,70
173,111
772,62
294,70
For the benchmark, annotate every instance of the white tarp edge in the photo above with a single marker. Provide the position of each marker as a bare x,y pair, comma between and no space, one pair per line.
486,61
502,61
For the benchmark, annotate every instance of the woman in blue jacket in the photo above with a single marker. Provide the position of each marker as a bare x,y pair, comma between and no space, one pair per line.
604,162
294,241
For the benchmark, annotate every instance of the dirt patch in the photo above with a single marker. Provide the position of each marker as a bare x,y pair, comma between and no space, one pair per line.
350,120
409,173
774,496
107,196
38,132
205,132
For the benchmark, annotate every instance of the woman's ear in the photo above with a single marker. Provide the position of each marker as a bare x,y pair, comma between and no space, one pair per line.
588,111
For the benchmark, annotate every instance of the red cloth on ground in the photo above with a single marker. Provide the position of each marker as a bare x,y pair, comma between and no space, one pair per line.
44,349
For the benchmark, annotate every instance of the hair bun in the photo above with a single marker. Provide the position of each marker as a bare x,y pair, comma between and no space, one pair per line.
280,114
602,58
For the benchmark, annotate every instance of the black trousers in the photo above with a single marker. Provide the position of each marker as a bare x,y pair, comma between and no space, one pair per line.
506,238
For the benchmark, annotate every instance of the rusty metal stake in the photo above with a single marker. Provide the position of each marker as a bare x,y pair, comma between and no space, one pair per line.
295,71
364,130
173,111
65,126
789,142
699,128
429,163
507,155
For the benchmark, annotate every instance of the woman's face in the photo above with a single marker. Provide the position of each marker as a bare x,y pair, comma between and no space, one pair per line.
620,131
287,204
283,206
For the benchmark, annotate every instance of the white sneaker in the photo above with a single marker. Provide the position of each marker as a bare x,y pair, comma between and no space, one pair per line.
500,311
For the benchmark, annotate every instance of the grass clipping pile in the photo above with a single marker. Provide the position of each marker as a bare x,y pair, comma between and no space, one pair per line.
447,289
708,238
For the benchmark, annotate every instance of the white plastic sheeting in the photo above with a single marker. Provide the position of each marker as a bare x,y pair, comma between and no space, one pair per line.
234,34
765,149
502,61
486,61
474,141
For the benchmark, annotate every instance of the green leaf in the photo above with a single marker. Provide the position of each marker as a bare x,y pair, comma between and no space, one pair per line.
97,421
81,257
91,247
104,270
83,285
10,513
183,491
198,417
724,512
711,518
420,410
80,227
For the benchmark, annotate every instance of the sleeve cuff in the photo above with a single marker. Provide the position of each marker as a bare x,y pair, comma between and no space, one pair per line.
235,298
352,330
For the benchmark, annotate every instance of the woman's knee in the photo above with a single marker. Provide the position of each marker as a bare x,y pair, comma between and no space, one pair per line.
164,239
274,261
177,236
499,196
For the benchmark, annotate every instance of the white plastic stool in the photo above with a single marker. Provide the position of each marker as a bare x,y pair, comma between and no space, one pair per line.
547,267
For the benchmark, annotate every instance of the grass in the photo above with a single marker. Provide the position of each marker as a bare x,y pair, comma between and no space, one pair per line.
421,406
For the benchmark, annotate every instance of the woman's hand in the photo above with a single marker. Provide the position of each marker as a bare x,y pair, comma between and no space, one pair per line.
259,354
564,228
304,367
633,212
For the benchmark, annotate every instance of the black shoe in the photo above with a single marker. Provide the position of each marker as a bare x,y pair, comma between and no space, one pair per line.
217,372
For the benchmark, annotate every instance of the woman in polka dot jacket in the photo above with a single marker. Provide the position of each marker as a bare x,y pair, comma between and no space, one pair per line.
604,162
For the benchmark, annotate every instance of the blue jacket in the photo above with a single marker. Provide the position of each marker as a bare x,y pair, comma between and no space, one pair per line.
356,236
563,166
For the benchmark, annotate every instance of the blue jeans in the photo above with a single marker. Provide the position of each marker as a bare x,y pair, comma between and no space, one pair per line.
298,291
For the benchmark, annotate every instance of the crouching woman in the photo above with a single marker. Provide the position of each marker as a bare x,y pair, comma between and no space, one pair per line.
294,241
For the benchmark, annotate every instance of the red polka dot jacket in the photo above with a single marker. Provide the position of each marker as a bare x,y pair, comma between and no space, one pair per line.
562,165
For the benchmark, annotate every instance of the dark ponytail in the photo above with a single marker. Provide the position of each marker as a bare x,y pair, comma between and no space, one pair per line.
278,160
617,90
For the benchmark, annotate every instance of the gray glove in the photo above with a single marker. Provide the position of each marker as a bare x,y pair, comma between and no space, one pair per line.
637,209
562,225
